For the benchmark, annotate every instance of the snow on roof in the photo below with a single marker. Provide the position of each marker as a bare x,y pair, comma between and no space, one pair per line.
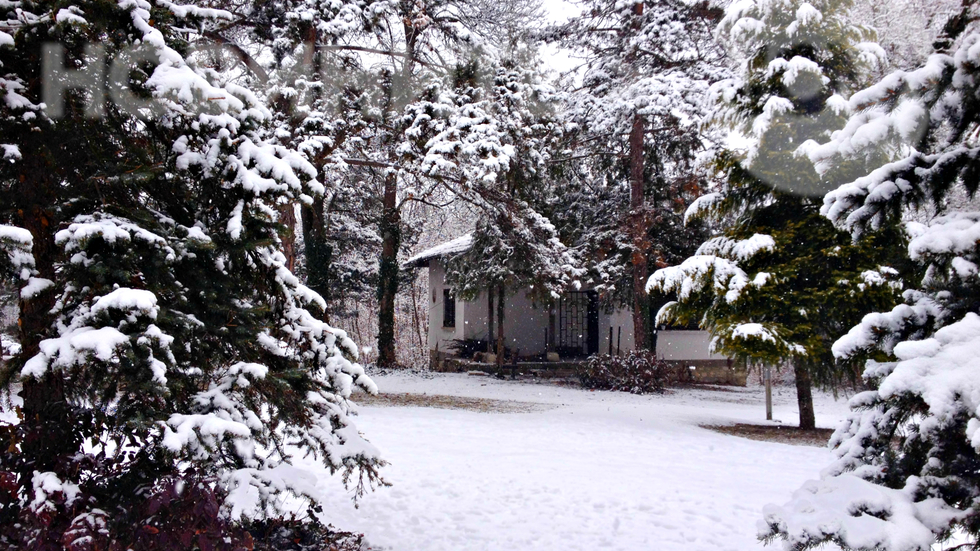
457,245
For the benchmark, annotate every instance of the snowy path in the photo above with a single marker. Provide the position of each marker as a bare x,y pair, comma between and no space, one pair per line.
604,470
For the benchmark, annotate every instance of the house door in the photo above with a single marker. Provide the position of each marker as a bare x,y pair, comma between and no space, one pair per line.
578,323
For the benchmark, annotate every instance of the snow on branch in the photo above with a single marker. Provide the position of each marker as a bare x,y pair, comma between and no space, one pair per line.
858,515
883,330
16,244
906,118
737,249
854,504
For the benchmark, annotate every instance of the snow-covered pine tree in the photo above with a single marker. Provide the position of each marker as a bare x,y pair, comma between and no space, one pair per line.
648,66
781,284
503,137
782,287
907,456
171,365
320,92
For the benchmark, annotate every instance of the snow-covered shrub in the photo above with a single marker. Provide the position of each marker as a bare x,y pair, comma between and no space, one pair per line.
636,372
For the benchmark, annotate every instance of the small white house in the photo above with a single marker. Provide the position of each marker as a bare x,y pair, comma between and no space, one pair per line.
575,326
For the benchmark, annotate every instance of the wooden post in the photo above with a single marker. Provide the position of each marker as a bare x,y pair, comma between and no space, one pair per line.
490,338
500,327
619,340
767,376
610,340
551,327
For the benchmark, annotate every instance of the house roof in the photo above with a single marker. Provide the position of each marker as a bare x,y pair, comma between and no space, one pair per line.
458,245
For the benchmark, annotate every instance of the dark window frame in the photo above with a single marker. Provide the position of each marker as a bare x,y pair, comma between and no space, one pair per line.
448,308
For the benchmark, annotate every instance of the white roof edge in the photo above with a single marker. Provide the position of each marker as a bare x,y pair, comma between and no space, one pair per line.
458,245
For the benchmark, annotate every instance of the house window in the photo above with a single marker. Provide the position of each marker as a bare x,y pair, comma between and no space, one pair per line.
448,308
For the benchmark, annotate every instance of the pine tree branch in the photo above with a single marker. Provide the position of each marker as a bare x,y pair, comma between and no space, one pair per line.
384,52
241,54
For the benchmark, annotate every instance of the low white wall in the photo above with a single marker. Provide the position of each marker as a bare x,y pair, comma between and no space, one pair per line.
621,322
685,345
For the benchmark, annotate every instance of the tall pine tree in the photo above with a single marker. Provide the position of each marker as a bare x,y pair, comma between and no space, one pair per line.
636,115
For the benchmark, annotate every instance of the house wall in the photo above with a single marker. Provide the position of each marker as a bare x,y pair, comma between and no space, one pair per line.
440,337
526,323
685,345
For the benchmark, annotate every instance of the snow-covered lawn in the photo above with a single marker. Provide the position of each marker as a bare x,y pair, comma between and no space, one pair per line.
590,470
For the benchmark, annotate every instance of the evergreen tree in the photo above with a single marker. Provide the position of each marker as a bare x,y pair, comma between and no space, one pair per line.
321,94
648,66
778,285
782,287
171,365
905,476
510,129
396,63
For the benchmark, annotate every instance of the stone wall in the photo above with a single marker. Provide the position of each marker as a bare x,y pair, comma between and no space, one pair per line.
715,372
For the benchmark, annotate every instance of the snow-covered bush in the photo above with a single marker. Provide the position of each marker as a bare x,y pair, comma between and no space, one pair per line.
636,372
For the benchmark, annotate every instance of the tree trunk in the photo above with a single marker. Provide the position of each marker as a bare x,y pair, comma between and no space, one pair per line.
35,317
47,428
551,327
318,253
641,304
288,219
804,395
500,326
415,314
388,276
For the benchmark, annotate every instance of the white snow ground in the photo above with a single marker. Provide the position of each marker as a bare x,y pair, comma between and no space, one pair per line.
600,470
